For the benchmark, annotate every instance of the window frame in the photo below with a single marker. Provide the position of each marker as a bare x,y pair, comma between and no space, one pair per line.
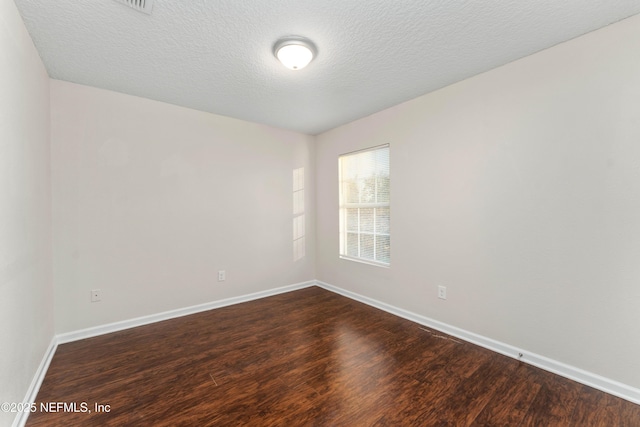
344,206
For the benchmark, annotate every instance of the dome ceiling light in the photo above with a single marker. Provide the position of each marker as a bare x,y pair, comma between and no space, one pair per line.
294,52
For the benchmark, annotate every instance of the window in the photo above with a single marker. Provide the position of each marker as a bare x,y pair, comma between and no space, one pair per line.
364,206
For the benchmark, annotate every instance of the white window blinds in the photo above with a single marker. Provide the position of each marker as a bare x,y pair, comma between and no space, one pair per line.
365,214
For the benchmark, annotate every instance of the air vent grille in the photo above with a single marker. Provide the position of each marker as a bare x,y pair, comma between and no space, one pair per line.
139,5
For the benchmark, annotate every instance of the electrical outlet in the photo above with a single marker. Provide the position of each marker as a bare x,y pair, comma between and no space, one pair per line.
96,295
222,276
442,292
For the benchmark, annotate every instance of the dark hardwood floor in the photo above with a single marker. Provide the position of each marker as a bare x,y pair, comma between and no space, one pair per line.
308,357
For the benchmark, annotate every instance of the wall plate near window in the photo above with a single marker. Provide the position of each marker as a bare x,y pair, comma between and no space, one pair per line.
365,210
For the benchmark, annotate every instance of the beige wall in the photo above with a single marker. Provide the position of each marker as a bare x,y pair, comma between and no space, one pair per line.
26,310
519,190
151,200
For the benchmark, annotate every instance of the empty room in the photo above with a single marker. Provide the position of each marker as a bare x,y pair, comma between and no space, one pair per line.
319,213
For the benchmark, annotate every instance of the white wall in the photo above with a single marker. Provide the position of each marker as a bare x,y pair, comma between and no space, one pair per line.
151,200
26,293
518,189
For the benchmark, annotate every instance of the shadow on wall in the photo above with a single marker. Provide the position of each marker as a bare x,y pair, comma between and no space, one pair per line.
298,214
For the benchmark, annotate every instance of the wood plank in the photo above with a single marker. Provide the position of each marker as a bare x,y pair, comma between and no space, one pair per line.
512,400
554,403
308,357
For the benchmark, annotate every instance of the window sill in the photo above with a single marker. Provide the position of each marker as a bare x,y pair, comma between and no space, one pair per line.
364,261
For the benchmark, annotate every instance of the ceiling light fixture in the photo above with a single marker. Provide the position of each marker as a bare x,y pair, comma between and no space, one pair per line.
294,52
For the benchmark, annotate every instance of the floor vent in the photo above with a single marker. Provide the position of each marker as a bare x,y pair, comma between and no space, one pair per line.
139,5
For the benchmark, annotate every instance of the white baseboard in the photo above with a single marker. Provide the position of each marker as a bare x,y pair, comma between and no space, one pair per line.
607,385
32,392
158,317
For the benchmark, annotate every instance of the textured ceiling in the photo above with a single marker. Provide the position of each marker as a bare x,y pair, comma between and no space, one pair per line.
216,55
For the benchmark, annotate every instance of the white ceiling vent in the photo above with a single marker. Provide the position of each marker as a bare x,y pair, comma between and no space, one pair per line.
139,5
